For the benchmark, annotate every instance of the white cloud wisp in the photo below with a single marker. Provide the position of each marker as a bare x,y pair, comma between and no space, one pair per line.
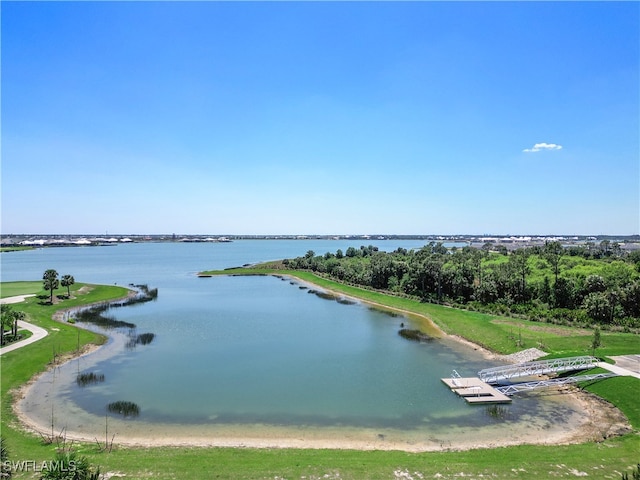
538,147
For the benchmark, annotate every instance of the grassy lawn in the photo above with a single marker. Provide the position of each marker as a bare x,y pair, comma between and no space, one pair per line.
620,391
529,462
597,460
11,289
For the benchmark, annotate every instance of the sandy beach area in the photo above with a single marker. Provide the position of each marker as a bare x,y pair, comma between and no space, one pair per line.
573,416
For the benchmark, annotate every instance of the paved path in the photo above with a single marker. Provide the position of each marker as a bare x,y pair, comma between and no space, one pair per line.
626,365
38,333
630,362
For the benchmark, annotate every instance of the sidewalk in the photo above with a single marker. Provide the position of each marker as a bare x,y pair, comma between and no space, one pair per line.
38,333
626,365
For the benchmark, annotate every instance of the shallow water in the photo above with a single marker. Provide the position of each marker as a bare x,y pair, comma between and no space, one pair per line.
250,354
261,350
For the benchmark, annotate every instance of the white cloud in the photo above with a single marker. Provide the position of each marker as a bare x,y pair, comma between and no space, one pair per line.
543,146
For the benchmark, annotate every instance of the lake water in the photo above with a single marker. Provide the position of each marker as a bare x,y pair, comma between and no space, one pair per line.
246,351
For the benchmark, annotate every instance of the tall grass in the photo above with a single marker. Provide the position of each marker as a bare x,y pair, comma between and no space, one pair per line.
124,408
415,335
94,315
84,379
141,339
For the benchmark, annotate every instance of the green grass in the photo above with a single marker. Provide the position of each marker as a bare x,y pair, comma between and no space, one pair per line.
620,391
522,462
18,366
598,460
11,289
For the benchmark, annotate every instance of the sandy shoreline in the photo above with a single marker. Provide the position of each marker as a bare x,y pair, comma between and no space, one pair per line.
590,420
587,418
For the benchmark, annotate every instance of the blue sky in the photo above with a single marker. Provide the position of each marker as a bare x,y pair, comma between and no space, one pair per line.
321,117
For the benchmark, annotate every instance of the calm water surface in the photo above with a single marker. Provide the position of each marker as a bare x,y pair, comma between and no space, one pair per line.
257,350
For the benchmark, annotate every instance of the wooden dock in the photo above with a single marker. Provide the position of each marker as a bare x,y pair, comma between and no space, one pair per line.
475,390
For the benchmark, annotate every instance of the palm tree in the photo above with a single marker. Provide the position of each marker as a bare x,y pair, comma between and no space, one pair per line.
67,281
51,282
9,318
14,328
5,319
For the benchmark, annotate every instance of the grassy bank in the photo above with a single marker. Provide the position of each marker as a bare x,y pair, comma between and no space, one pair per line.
14,249
19,366
598,460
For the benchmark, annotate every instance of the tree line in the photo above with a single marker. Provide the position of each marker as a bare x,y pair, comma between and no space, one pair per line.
580,284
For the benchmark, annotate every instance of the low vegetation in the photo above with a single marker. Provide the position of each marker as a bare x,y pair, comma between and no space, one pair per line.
84,379
414,334
68,464
95,316
124,408
140,339
498,412
145,338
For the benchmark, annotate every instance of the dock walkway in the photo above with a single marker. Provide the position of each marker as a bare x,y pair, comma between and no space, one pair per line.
542,367
474,390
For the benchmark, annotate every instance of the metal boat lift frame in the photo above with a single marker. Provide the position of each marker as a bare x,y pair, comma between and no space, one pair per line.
554,382
541,367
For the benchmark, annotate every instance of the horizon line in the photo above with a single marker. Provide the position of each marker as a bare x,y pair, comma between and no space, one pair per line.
311,235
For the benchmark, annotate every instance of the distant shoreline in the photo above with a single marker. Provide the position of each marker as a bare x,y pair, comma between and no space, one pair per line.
11,242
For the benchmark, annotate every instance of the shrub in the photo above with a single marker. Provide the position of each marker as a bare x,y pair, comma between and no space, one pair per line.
67,465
